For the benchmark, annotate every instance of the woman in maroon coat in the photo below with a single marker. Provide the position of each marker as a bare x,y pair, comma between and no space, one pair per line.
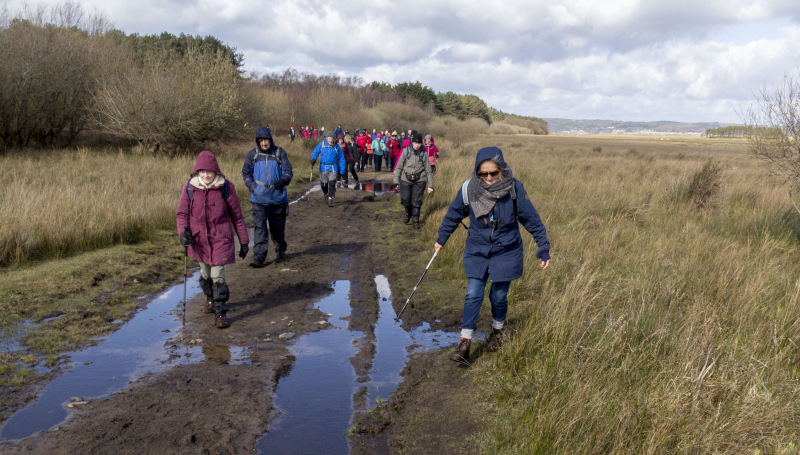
207,207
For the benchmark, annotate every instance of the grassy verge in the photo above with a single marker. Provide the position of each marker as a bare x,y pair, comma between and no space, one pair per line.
663,325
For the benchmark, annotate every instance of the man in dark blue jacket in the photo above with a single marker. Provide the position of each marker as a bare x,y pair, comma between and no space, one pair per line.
266,172
496,204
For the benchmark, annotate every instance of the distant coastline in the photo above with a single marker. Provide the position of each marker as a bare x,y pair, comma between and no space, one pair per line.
567,126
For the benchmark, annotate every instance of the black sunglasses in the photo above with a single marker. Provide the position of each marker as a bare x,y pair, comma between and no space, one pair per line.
487,174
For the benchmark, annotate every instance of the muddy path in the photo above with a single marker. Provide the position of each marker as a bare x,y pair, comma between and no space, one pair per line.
219,407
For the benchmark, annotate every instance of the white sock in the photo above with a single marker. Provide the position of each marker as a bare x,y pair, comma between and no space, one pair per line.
498,325
466,333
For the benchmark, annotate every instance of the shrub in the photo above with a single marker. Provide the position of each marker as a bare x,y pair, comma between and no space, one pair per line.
170,102
706,185
47,80
401,117
459,132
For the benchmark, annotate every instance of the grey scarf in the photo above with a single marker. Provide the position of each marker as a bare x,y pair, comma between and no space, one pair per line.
483,196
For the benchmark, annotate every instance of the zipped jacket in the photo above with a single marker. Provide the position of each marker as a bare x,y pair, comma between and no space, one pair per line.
331,157
493,241
263,168
209,216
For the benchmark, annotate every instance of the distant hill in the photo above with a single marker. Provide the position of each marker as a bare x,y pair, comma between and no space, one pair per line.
567,126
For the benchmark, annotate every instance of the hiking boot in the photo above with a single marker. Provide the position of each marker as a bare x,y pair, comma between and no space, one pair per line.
257,263
221,322
416,224
495,340
407,219
461,354
209,306
281,256
330,202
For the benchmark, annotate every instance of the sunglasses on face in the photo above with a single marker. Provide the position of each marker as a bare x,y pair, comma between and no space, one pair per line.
487,174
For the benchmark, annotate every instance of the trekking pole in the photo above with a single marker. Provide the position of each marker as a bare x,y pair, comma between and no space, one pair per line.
185,260
397,319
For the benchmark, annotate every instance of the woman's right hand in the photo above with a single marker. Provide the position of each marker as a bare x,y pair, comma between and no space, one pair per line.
437,247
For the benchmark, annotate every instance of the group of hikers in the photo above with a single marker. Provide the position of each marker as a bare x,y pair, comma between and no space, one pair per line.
494,201
307,133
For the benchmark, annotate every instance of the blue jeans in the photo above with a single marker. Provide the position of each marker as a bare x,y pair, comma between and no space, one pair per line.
498,296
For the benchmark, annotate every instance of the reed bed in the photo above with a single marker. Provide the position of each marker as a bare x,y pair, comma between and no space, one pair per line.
661,326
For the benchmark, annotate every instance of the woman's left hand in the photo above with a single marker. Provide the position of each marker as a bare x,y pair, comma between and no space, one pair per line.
430,190
545,264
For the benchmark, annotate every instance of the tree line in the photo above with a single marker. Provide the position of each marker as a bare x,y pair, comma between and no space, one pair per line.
65,74
730,131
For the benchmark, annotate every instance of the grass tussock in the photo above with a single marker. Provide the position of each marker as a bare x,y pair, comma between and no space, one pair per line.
706,185
658,328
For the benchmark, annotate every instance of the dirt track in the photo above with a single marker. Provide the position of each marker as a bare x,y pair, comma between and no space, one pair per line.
213,407
216,407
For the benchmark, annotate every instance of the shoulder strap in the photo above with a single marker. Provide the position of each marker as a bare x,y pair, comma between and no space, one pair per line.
223,189
266,156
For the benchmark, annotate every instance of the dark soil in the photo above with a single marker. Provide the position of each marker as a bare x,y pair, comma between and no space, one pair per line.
214,407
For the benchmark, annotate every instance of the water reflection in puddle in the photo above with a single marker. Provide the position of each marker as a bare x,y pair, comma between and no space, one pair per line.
395,344
316,398
134,350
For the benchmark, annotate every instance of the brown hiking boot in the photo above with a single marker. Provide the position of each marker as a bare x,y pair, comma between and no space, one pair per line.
495,340
209,306
221,321
461,354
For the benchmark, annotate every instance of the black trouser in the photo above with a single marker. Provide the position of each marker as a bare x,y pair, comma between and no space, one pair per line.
268,219
352,166
378,161
411,197
363,159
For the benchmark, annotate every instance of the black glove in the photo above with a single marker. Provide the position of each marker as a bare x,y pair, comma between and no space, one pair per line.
243,251
186,238
313,162
280,184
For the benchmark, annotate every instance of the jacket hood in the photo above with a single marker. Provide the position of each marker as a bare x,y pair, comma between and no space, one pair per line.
490,153
263,132
206,160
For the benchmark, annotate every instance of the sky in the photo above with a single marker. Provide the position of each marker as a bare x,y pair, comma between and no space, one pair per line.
630,60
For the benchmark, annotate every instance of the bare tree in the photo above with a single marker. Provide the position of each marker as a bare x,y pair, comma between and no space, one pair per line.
774,121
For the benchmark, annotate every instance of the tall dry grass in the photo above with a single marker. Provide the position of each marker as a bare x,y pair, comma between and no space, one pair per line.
65,202
660,327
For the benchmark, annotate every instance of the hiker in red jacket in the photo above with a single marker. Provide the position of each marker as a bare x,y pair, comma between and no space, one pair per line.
206,209
395,149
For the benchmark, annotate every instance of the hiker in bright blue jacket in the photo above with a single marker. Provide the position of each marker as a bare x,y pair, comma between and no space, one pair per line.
331,164
266,172
496,205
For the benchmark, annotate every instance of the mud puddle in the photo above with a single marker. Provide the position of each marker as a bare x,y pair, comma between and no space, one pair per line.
316,397
135,349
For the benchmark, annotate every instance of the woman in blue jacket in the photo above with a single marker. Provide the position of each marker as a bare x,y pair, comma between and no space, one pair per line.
496,204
